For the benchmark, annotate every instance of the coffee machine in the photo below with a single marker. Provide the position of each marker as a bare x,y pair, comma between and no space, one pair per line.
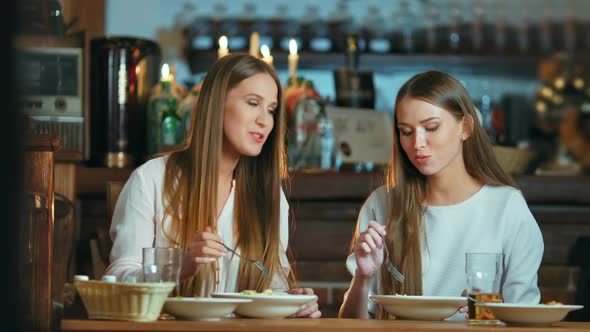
123,70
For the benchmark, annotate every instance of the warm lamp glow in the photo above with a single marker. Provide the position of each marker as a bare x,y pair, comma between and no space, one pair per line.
165,72
292,47
222,51
265,51
223,42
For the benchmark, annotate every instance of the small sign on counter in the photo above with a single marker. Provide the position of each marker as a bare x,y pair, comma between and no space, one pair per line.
362,135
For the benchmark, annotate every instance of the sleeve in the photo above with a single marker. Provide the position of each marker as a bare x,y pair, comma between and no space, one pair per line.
377,203
281,282
524,252
132,228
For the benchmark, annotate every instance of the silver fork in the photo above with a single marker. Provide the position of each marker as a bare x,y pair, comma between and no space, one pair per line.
388,264
256,263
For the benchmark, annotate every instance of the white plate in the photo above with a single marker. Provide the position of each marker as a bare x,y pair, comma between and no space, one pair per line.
420,307
268,306
536,314
201,308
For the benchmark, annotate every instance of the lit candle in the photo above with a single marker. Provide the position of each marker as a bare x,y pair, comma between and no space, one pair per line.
254,40
293,58
266,57
222,51
165,73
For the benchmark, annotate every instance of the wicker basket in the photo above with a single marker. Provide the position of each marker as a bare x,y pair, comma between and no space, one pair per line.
513,160
140,302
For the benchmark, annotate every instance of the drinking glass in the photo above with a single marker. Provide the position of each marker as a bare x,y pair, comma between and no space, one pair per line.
162,265
484,275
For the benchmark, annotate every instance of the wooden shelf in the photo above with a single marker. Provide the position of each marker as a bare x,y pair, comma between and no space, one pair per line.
560,190
491,65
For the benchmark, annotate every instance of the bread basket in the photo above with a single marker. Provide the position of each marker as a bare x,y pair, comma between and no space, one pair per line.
513,160
138,302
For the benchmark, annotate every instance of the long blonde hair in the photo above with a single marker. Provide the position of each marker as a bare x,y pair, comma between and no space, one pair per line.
190,181
407,187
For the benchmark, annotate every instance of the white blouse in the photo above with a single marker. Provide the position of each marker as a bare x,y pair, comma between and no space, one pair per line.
495,219
137,223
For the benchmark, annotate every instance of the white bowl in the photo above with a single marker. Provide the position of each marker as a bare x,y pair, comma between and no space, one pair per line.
268,306
201,308
420,307
536,314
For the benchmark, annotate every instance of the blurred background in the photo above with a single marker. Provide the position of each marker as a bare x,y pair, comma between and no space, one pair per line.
104,84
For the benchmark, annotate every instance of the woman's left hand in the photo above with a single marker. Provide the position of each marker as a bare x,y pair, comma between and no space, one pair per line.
308,310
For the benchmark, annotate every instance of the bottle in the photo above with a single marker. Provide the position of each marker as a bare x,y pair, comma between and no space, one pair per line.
109,278
325,129
171,127
376,32
316,31
186,108
157,104
73,306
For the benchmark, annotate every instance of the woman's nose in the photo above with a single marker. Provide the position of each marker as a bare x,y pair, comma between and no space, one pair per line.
264,118
419,139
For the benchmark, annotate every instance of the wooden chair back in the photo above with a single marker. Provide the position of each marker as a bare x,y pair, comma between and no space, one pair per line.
38,230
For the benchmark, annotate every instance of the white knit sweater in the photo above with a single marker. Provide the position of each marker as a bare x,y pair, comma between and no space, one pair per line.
138,222
495,219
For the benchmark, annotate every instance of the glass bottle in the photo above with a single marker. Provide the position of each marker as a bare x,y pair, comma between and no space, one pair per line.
171,127
73,306
523,30
186,108
454,36
377,39
477,29
340,24
546,31
285,28
240,29
408,28
316,31
157,104
432,21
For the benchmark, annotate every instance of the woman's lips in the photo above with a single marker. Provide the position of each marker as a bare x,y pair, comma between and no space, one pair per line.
422,159
257,137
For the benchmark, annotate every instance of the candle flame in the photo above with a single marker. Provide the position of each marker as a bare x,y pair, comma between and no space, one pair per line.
223,42
265,51
165,72
292,47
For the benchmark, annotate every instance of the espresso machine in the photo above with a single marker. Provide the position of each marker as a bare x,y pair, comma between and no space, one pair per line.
123,70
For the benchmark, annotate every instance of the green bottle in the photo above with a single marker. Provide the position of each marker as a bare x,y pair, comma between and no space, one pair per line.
157,105
171,127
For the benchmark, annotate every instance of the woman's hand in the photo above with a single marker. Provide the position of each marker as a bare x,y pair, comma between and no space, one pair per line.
204,247
368,250
308,310
464,309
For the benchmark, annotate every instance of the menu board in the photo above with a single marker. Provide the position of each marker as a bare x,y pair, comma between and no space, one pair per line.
362,135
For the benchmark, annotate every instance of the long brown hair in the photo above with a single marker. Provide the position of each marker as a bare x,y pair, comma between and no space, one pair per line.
407,187
191,177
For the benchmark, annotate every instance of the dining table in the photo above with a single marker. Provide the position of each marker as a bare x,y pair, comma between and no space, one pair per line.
311,325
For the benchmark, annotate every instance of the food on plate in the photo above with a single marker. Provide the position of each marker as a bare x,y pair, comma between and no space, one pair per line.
553,303
265,292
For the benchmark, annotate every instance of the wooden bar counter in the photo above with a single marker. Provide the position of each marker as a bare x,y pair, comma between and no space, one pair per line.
309,325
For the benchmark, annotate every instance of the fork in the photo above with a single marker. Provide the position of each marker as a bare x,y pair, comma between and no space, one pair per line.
256,263
388,264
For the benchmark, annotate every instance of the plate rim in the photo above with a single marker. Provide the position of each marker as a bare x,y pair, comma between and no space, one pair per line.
207,299
531,306
421,297
310,297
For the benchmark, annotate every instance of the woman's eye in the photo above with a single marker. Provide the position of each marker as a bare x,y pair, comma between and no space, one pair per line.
406,133
253,103
272,111
432,128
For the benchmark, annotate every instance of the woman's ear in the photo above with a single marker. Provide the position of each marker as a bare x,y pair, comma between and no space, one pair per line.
467,125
